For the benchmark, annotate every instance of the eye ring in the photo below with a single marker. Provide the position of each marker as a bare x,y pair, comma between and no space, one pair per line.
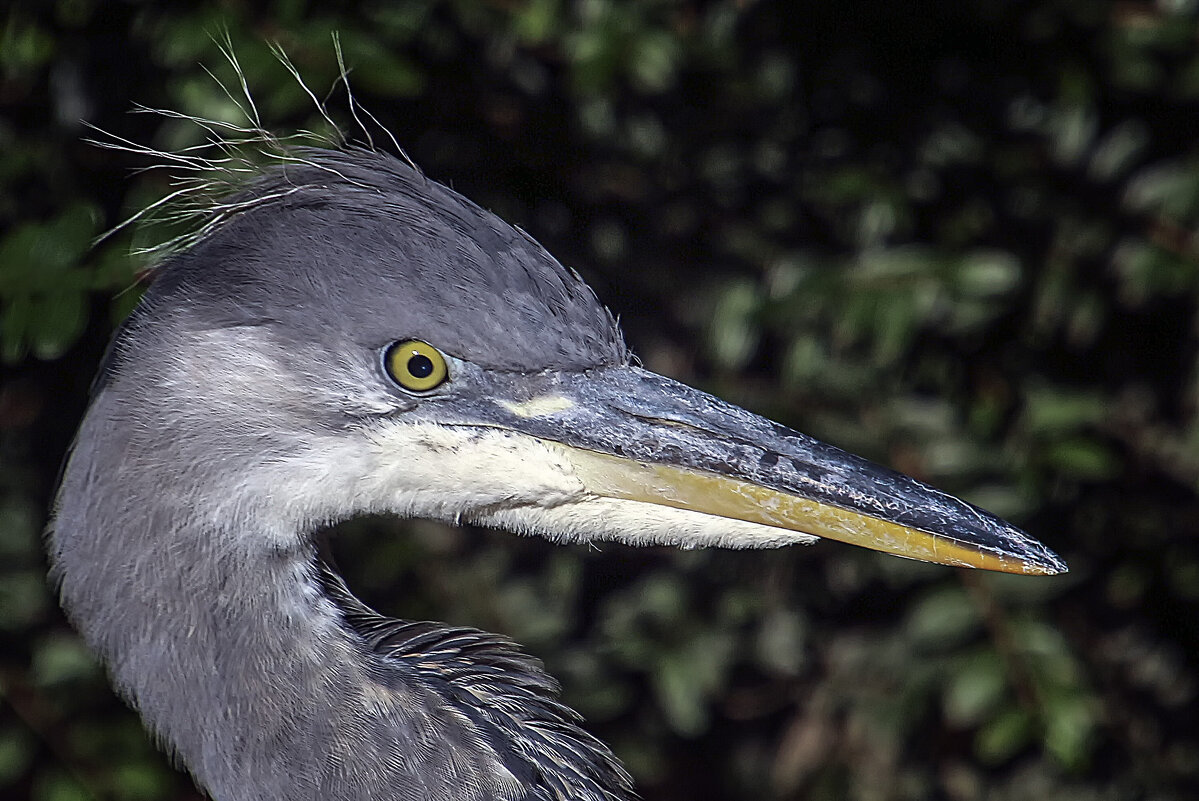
416,366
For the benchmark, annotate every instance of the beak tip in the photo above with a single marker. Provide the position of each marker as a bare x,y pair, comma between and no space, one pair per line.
1052,564
1006,549
1037,560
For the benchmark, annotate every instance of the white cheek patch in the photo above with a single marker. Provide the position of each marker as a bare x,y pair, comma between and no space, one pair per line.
412,470
434,470
488,476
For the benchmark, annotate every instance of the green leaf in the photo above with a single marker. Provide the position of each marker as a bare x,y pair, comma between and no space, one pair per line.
14,322
24,46
680,694
942,620
59,658
1004,736
59,320
733,334
988,274
1070,729
1084,459
975,689
1054,410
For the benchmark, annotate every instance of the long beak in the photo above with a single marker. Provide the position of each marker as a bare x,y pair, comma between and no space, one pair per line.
634,435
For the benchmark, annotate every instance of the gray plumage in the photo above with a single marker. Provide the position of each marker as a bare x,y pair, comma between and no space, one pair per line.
249,402
224,637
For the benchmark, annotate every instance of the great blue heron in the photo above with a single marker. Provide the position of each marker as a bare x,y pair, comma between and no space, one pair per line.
351,337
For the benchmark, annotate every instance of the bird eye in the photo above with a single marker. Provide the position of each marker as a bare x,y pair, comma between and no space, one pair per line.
416,366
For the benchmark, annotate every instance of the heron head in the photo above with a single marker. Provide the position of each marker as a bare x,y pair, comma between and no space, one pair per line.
356,338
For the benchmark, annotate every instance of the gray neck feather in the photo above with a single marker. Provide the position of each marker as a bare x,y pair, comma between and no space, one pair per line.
264,676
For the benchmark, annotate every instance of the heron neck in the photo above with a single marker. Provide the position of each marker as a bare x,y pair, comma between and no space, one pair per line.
260,671
235,656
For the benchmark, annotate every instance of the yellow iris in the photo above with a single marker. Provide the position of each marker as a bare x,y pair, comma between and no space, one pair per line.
416,366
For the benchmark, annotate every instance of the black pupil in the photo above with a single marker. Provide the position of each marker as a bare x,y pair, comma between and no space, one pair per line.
420,366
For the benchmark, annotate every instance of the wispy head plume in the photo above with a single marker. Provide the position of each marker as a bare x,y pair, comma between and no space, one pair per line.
205,178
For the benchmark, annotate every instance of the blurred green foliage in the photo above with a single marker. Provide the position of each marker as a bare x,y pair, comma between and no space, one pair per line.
960,239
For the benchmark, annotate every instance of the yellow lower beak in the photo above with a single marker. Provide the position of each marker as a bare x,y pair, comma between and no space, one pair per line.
722,496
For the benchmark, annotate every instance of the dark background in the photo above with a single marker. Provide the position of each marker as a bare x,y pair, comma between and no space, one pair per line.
959,238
